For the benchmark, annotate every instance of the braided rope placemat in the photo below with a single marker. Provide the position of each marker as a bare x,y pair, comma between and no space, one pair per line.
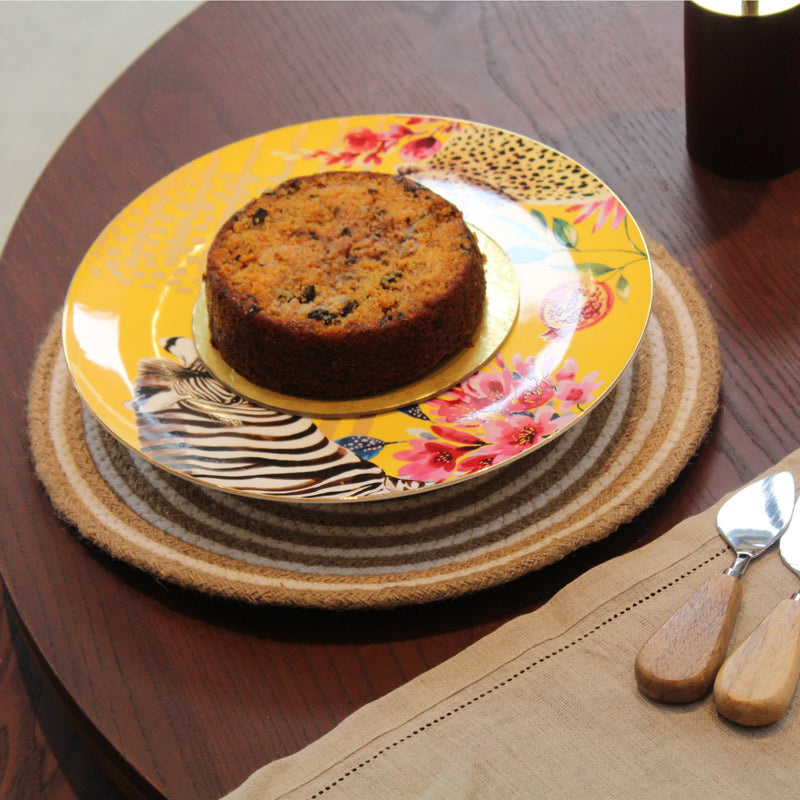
599,474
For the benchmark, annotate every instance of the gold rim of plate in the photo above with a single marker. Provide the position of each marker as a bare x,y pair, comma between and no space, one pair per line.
499,315
131,303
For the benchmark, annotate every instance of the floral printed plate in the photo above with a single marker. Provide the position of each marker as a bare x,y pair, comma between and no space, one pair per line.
584,283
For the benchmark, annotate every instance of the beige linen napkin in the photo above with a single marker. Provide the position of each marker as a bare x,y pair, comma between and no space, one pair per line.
547,705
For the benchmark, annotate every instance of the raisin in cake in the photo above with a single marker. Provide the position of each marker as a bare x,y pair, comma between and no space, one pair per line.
343,284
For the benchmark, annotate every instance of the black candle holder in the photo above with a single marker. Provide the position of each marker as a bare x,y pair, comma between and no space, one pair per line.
742,69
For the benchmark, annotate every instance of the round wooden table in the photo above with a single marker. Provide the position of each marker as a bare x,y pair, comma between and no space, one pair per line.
235,687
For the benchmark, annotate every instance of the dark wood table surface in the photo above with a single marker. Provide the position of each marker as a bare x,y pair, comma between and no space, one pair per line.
238,687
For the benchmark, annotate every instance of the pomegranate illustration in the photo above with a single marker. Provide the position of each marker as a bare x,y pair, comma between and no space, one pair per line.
575,305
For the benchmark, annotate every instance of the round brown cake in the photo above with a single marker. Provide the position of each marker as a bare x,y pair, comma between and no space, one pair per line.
343,284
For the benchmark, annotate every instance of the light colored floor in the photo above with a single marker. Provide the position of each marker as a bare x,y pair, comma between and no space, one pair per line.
56,59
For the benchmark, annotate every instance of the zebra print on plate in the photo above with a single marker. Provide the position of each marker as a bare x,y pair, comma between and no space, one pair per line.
193,425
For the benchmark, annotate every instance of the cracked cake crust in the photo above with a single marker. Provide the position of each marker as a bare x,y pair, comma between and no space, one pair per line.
343,284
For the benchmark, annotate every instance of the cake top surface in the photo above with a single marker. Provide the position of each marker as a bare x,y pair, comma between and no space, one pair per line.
344,248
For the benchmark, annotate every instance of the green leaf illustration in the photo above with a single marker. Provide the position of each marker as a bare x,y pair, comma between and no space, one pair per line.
623,288
539,217
595,268
565,232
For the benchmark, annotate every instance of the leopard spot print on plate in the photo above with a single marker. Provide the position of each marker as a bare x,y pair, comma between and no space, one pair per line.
510,165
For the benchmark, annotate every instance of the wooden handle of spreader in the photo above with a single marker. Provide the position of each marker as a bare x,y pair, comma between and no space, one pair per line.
756,684
679,662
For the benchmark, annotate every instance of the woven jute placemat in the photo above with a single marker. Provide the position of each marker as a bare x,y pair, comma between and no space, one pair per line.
580,488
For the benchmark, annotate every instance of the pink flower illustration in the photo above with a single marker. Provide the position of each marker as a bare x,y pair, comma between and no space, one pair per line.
532,393
605,209
396,133
495,415
490,387
361,140
569,371
429,461
521,431
474,398
418,149
369,146
487,395
572,392
435,460
476,463
455,406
